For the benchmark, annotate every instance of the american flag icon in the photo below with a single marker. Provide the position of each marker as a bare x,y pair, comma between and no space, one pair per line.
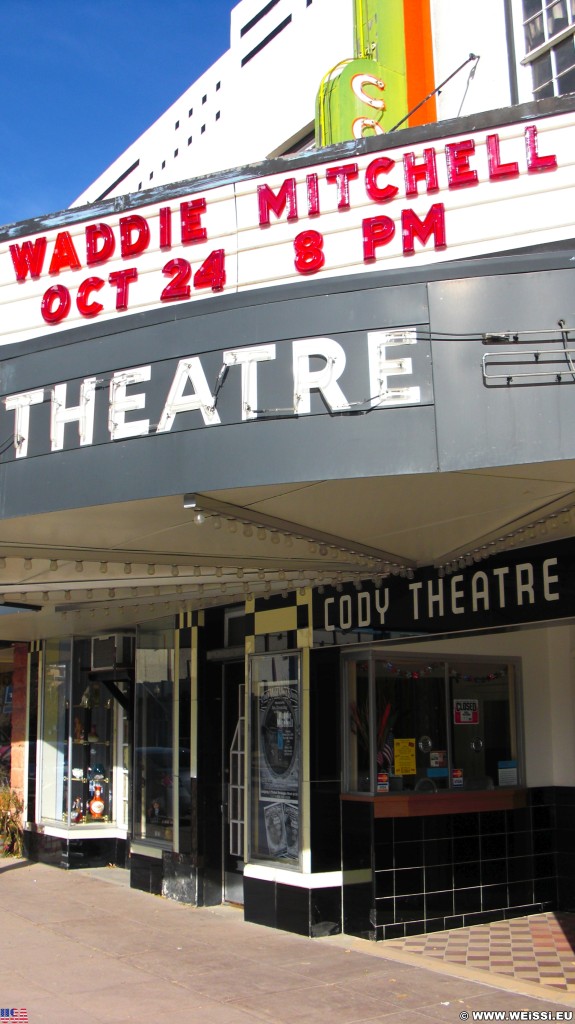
21,1016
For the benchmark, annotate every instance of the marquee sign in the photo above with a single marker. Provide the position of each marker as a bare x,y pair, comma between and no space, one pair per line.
462,196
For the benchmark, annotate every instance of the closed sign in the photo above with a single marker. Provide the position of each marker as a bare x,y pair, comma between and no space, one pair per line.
466,712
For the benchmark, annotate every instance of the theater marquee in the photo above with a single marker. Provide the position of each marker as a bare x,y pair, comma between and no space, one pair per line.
467,195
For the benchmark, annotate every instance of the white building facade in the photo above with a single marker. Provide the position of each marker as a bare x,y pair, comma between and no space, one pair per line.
257,101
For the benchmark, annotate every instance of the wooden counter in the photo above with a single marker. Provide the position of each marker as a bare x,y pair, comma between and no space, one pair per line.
417,805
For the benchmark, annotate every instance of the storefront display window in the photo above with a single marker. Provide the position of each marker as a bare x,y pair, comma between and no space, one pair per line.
78,734
430,725
275,702
156,756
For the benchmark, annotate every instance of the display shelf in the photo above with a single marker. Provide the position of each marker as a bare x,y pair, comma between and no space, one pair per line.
85,780
409,805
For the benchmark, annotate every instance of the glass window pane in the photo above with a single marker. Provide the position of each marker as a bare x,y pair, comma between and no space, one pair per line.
430,726
566,83
542,71
545,92
411,729
275,758
530,8
564,55
92,746
154,751
556,17
483,716
55,730
534,33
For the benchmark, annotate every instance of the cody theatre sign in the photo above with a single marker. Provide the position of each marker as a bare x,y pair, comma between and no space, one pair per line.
531,585
452,198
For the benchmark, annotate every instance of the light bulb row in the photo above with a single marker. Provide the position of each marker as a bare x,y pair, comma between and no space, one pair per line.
538,530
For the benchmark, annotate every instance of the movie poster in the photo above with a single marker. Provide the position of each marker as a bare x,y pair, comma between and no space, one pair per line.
276,758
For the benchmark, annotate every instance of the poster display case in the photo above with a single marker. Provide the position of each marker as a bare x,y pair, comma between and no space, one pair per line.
275,775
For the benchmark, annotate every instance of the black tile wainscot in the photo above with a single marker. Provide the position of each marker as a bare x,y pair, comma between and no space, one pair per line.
465,859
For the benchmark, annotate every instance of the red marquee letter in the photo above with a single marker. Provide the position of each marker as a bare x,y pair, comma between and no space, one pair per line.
286,197
130,246
64,256
458,170
56,304
96,233
342,177
382,165
91,284
191,220
534,161
376,231
414,172
412,227
122,278
496,168
28,258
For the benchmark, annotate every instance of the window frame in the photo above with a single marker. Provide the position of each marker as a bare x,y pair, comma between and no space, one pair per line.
549,47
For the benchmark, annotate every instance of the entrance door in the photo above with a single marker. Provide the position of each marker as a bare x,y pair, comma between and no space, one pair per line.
233,768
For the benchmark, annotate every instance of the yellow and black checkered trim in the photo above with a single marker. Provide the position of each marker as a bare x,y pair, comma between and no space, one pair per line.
278,614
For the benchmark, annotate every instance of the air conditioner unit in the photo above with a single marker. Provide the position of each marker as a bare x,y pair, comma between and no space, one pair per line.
113,651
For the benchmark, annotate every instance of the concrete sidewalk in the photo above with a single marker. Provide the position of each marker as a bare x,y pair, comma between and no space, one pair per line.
80,947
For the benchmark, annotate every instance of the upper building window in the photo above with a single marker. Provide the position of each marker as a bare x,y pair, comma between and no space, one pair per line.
258,17
549,40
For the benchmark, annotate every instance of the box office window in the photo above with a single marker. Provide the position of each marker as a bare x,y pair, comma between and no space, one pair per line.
428,725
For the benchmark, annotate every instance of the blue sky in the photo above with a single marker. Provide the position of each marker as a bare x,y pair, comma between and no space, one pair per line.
81,79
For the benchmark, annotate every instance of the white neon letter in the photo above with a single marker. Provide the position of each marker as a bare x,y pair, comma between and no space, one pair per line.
121,403
188,370
248,358
21,404
324,380
380,368
82,414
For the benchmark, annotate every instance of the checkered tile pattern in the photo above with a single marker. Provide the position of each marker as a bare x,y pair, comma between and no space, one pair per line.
540,948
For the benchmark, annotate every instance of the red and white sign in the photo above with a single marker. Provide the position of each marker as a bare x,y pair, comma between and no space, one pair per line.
463,196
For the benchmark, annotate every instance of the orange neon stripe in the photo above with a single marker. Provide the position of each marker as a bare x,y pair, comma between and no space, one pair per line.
419,60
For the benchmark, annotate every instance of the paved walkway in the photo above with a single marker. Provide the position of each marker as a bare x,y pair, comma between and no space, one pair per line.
539,948
80,947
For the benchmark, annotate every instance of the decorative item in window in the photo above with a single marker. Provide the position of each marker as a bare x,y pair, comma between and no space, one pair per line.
97,805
